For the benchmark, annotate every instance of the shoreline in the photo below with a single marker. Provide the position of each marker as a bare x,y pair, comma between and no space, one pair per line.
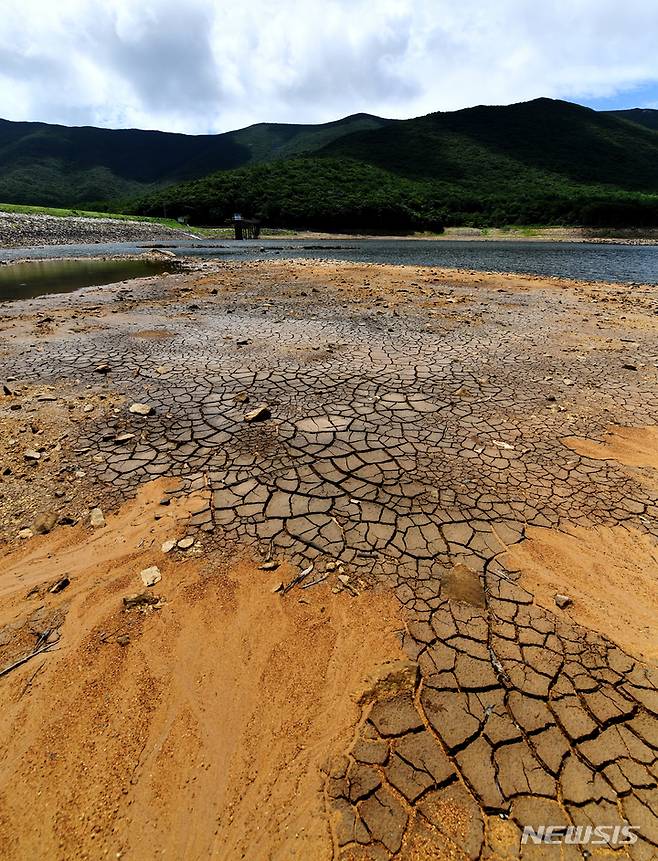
19,230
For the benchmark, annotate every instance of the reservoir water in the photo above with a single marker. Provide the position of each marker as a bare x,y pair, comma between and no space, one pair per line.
43,277
587,261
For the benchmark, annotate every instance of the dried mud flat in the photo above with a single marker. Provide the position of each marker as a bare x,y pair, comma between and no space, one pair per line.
449,451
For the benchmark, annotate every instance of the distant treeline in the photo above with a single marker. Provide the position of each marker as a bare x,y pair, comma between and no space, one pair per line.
536,163
343,195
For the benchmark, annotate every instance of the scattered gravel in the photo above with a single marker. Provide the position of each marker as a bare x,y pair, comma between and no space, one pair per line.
18,230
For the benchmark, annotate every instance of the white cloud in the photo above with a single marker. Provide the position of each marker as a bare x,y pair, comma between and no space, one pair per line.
213,65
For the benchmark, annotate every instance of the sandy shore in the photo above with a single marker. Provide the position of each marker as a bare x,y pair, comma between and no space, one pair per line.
403,522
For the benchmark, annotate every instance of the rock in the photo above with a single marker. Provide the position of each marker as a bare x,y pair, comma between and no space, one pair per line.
563,601
344,579
165,501
141,409
568,382
123,639
185,543
45,523
59,586
168,546
269,566
124,437
259,414
96,518
88,408
31,455
629,367
151,576
278,587
143,599
66,520
103,368
24,534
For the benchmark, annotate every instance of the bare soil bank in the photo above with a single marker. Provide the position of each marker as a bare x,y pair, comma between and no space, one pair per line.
460,467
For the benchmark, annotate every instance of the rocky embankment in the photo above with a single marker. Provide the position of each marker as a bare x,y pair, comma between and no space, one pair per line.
18,230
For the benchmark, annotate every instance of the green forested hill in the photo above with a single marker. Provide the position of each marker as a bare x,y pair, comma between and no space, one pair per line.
642,116
537,162
61,166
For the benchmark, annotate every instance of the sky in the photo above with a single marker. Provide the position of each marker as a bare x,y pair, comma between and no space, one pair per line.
206,66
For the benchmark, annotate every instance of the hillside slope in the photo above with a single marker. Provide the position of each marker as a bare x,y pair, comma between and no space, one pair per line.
61,166
537,162
647,117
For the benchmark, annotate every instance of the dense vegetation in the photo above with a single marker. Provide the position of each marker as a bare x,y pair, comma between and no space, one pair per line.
50,165
540,162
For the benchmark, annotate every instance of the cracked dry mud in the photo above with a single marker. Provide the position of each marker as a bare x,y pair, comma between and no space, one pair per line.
423,428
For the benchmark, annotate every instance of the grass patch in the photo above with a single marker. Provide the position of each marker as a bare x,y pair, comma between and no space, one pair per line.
82,213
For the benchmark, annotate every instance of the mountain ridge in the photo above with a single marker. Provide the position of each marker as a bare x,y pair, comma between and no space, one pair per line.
540,161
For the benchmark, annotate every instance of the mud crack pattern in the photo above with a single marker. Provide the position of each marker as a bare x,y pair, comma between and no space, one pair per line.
413,439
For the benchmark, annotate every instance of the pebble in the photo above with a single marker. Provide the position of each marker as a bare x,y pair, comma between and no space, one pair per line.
123,639
141,409
25,534
96,518
185,543
563,601
45,523
259,414
269,566
31,454
151,576
168,546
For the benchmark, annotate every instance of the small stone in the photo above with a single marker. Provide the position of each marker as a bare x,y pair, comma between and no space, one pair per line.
141,409
59,586
277,588
331,566
568,382
31,455
151,576
143,599
344,579
165,501
123,639
269,566
123,437
168,546
24,534
45,523
259,414
563,601
104,368
185,543
96,518
629,367
88,408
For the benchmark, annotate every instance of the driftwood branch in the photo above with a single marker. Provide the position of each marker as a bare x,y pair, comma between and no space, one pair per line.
45,647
